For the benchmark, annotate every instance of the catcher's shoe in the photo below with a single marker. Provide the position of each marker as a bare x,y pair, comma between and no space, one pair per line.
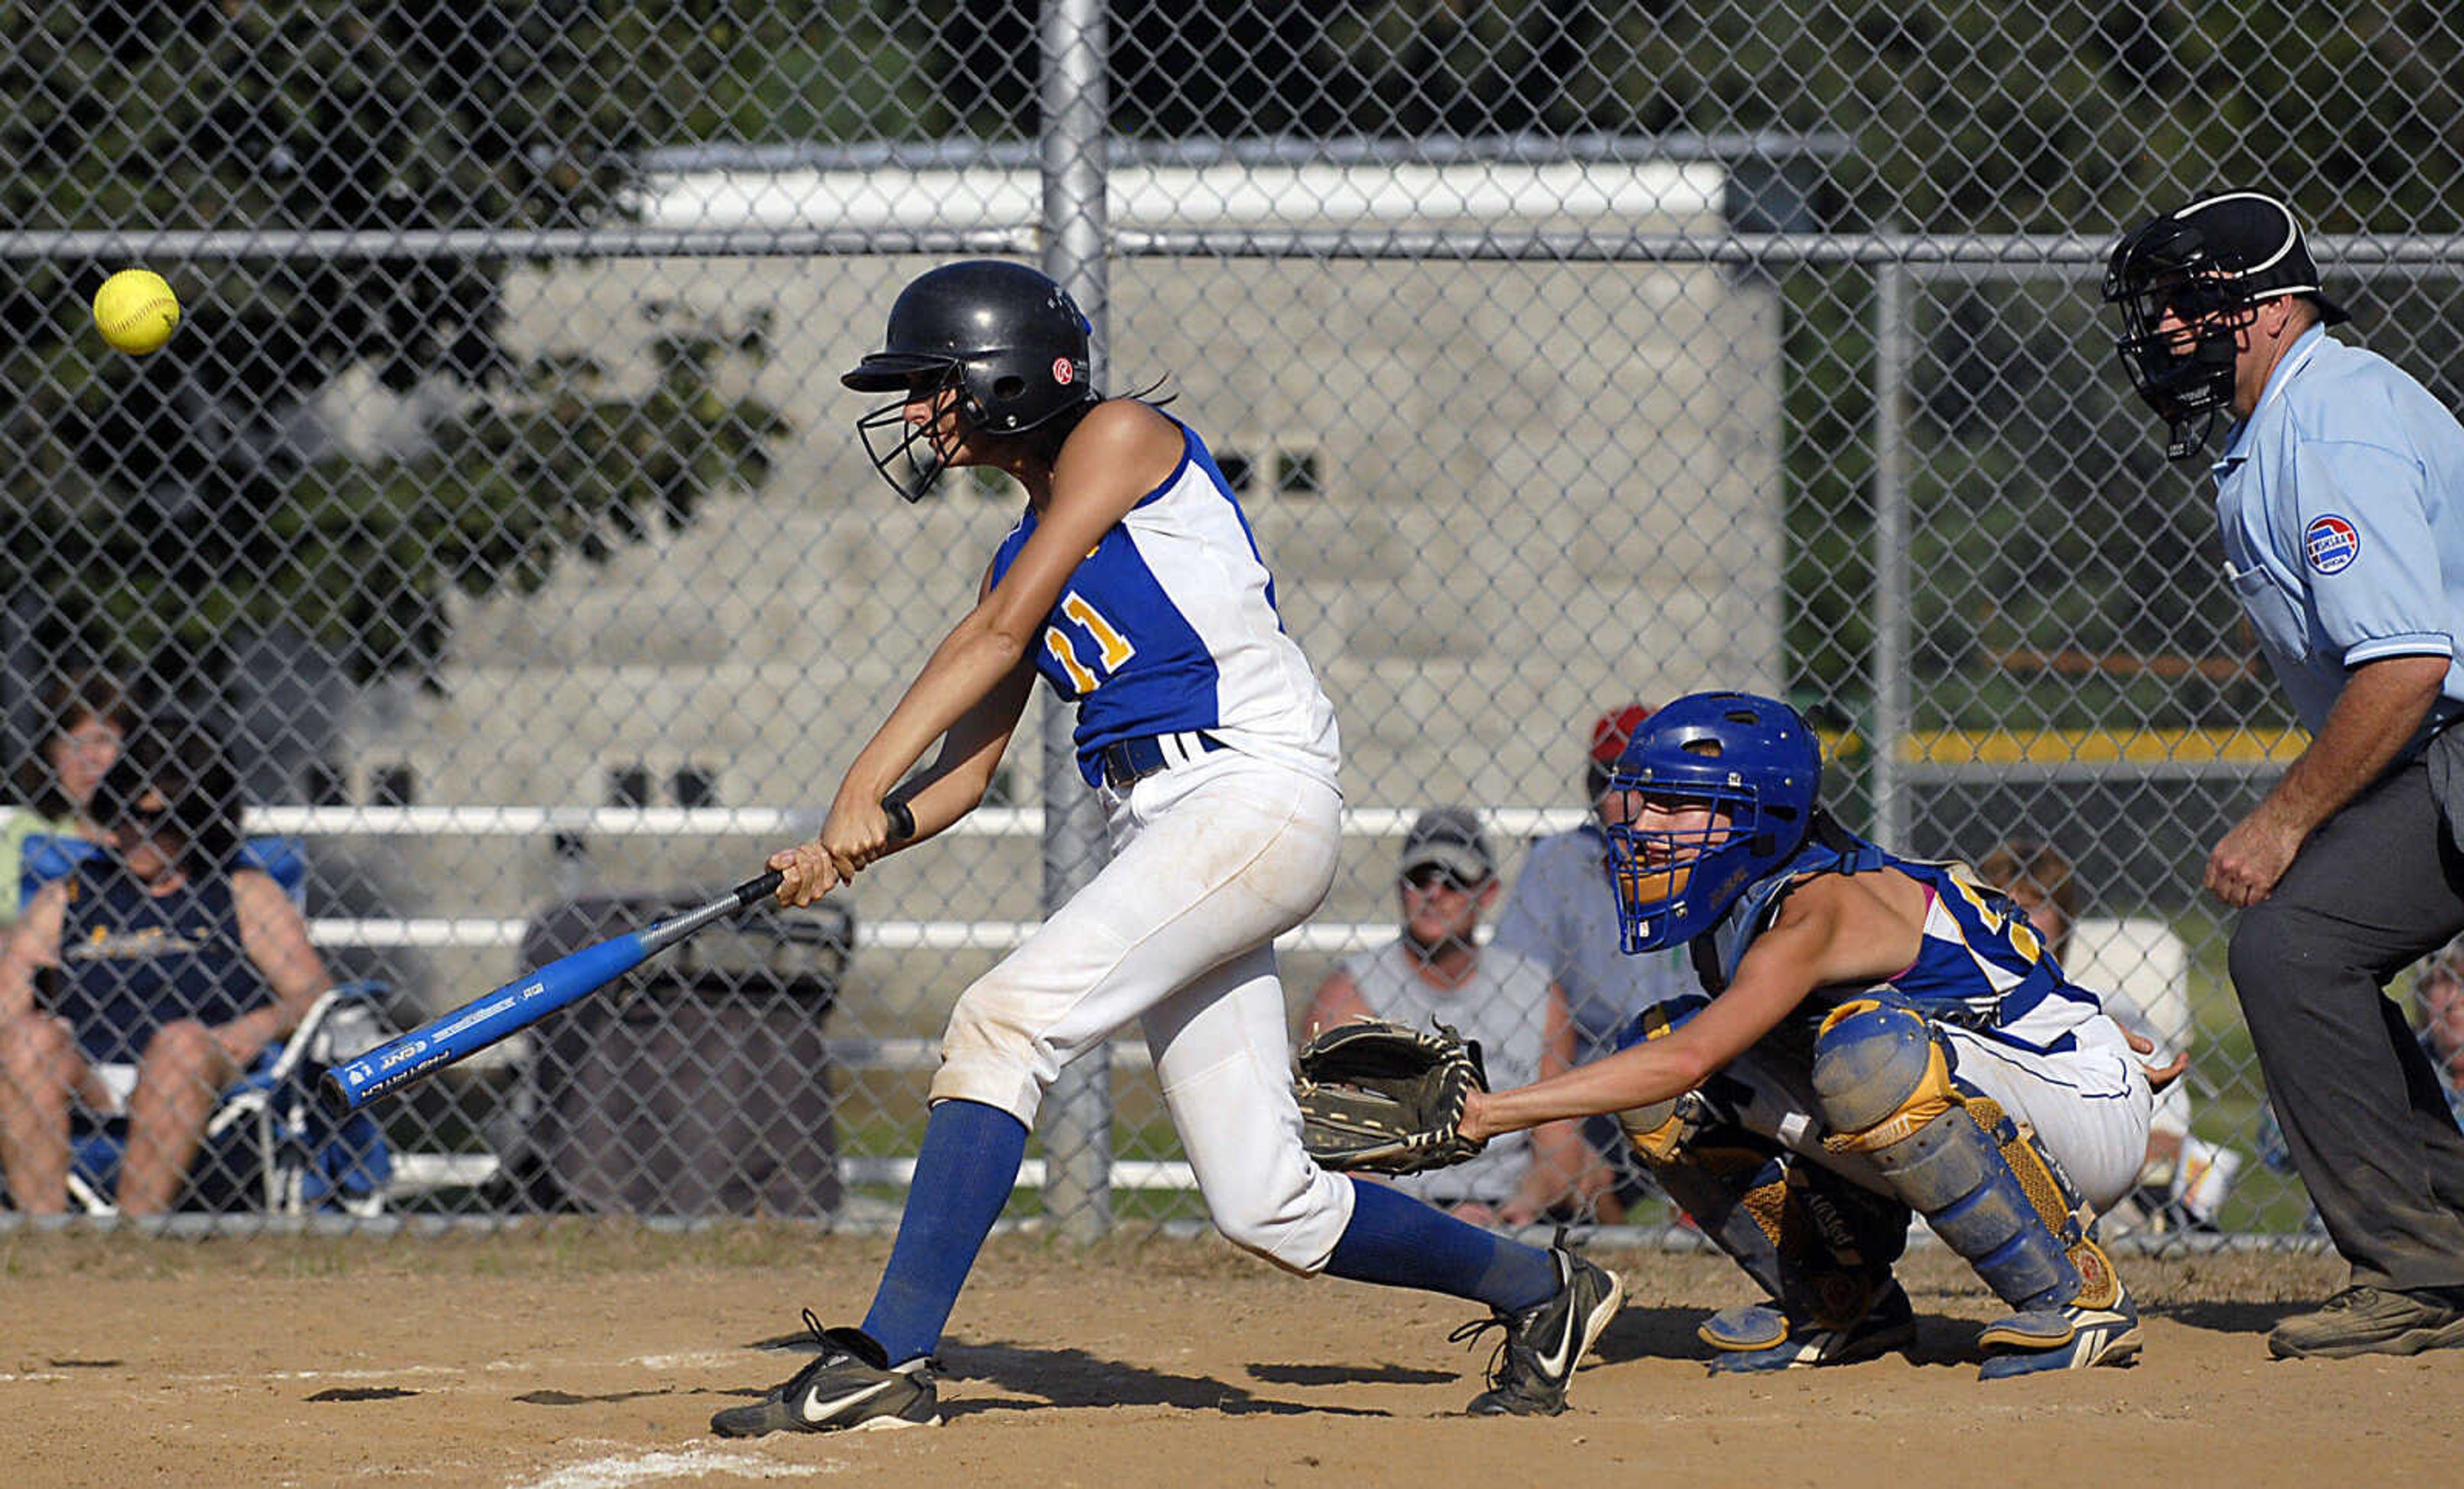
1755,1337
849,1385
1528,1374
2060,1338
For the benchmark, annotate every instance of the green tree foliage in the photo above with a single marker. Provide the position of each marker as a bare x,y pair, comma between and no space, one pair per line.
1935,117
165,506
762,71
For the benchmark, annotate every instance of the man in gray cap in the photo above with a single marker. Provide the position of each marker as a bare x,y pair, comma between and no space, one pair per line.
1435,971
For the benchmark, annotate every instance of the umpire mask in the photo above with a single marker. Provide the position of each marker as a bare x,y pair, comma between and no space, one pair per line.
2187,284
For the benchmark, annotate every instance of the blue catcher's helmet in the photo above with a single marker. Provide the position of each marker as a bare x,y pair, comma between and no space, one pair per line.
1757,762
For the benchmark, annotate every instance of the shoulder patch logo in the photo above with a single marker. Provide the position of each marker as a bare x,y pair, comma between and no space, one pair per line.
2331,543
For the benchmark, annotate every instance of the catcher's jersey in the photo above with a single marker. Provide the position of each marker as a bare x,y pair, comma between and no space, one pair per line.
1169,624
1979,965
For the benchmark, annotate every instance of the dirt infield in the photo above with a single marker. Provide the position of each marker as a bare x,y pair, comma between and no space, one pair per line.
588,1360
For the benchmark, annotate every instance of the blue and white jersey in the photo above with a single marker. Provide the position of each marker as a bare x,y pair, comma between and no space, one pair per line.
2341,502
1980,965
1982,956
1169,624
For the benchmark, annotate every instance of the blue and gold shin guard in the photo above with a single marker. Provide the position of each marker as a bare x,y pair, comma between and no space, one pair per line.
1955,1157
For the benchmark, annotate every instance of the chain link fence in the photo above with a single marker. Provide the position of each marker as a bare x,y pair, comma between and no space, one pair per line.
497,504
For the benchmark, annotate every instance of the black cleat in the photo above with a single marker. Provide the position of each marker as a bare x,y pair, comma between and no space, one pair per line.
851,1385
1528,1376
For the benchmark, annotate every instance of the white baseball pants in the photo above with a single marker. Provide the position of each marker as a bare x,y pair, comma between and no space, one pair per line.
1211,860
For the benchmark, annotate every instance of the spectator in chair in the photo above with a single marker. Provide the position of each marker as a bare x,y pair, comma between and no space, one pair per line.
2184,1179
86,719
1437,971
161,953
1562,912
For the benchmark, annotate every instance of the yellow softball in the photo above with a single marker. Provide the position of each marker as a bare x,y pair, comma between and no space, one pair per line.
136,311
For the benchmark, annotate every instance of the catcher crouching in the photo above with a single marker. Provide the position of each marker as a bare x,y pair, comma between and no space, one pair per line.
1875,1037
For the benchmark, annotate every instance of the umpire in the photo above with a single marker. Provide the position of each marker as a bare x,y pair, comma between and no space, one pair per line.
2339,492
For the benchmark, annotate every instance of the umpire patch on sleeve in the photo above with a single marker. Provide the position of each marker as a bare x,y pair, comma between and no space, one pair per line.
2331,543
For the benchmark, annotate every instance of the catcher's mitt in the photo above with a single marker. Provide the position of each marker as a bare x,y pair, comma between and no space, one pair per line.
1382,1098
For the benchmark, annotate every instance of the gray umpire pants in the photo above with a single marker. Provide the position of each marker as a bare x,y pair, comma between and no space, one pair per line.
2380,885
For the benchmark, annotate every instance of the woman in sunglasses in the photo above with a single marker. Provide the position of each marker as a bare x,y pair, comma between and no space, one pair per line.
168,967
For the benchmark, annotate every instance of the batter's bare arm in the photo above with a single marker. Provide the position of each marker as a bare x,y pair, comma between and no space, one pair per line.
954,781
1119,453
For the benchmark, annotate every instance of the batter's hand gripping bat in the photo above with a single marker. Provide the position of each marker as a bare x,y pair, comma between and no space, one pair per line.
473,1027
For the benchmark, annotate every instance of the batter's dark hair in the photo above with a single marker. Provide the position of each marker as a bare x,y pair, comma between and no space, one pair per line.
185,762
74,701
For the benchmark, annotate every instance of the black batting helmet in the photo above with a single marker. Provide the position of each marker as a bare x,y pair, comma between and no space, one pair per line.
2205,268
1011,342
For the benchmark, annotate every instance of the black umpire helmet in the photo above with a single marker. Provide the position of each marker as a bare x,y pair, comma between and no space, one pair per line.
1011,342
2207,267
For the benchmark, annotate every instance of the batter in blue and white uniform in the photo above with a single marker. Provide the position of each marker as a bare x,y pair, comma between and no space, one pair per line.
2339,497
1133,585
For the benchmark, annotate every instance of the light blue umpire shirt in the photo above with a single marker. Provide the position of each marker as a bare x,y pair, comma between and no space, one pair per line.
2341,501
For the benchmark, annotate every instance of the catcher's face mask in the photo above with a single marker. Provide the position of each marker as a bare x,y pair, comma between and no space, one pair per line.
1655,844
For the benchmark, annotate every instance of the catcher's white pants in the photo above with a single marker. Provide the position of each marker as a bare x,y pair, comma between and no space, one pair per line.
1211,860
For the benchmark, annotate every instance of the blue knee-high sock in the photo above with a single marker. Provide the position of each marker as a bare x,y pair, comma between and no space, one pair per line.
963,1177
1399,1241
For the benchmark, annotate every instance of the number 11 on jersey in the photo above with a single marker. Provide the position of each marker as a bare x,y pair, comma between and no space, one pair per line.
1111,648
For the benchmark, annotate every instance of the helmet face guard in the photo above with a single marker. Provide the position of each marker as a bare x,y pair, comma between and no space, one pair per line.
1661,877
2189,284
2185,370
1755,764
902,451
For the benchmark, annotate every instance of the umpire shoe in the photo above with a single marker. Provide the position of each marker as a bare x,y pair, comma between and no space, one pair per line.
1528,1375
1755,1337
2373,1320
849,1385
